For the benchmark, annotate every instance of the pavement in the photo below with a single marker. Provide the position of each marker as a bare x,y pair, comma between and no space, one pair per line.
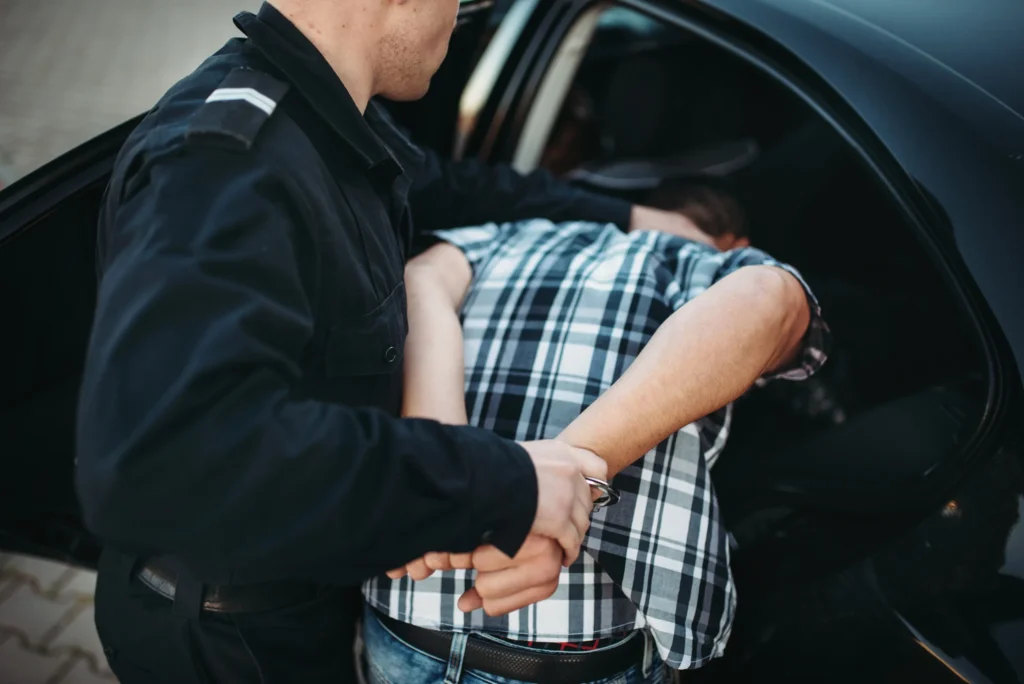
47,633
70,70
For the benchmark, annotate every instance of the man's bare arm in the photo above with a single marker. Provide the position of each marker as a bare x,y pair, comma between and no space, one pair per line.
705,355
436,282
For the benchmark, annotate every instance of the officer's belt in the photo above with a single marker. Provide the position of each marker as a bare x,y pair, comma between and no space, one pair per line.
520,664
229,598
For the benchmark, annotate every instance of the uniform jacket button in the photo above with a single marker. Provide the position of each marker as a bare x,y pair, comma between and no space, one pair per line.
390,354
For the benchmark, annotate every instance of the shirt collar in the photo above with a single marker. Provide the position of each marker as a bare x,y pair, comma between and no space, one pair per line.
290,51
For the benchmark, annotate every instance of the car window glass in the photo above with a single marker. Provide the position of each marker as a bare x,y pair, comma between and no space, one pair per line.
625,23
574,92
71,70
625,19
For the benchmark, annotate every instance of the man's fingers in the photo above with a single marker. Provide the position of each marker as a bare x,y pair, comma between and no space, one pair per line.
581,519
506,605
585,493
540,570
422,568
461,561
579,523
570,540
470,601
438,561
591,464
489,558
514,583
418,569
585,497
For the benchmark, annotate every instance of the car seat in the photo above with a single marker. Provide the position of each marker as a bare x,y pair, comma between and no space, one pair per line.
824,496
652,128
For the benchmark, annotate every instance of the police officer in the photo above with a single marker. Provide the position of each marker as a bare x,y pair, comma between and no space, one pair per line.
238,450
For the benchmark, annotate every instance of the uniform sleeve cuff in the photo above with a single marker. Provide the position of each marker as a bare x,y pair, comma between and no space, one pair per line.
504,498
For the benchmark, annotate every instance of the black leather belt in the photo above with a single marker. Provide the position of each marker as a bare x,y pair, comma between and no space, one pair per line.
243,598
513,663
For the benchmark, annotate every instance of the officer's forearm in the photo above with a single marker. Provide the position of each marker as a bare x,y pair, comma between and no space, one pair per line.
295,493
434,383
704,356
447,194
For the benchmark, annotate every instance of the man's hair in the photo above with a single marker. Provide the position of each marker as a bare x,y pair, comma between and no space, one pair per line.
706,202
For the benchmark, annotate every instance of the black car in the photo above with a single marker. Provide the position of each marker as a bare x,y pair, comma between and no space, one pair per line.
878,146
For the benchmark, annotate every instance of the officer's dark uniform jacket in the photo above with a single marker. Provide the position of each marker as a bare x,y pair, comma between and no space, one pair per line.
245,363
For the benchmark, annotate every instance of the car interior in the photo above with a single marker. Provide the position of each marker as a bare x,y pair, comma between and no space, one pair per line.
631,104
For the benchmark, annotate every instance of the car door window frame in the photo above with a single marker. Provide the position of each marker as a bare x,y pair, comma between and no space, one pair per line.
803,82
554,88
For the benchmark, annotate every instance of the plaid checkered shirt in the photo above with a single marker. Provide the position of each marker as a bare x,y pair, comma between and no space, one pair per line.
555,314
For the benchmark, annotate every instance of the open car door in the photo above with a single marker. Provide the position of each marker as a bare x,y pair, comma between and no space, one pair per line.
47,297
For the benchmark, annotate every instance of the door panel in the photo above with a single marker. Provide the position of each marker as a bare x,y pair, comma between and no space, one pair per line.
47,297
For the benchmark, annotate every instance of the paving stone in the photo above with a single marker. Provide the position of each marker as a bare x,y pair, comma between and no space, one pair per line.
82,586
21,666
9,586
5,582
45,639
33,615
48,576
71,70
80,634
81,673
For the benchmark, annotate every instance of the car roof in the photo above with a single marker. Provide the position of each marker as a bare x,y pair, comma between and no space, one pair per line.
960,53
972,40
939,83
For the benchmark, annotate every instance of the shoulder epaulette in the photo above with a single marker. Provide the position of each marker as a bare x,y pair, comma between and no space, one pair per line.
234,113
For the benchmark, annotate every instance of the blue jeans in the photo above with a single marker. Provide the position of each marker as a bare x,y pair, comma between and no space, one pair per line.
389,660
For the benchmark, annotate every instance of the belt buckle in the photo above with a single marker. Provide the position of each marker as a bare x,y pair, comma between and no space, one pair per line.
609,495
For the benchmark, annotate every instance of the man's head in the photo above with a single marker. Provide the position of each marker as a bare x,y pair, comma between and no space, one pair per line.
713,209
378,47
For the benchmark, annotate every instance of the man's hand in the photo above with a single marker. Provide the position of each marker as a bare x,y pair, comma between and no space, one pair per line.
503,584
564,499
506,584
564,504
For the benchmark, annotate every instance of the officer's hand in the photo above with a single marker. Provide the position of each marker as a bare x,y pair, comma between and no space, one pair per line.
506,584
564,499
564,504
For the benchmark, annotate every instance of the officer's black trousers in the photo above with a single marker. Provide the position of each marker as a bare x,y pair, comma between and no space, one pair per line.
145,641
